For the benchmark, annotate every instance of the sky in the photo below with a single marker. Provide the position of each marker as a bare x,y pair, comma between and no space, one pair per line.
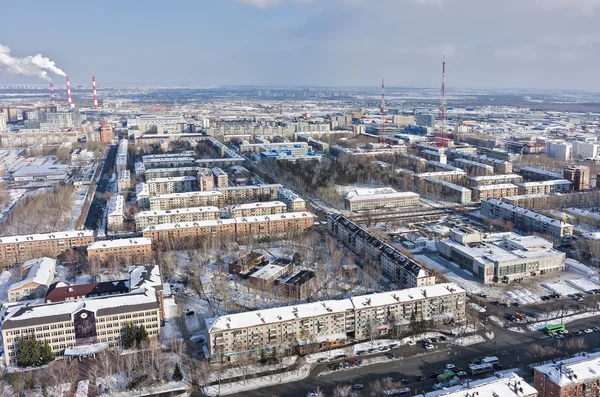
542,44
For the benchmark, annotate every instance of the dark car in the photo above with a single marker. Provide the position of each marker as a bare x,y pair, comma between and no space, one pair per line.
442,338
389,356
421,378
190,313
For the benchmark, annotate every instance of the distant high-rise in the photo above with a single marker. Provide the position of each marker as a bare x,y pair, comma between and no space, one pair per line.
3,122
425,119
579,175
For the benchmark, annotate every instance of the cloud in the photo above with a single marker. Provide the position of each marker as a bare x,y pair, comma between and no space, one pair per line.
36,65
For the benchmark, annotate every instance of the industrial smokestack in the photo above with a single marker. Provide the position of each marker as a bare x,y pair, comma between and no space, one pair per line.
52,94
69,100
95,95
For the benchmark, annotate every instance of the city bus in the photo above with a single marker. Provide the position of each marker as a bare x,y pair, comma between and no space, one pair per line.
550,329
405,391
480,368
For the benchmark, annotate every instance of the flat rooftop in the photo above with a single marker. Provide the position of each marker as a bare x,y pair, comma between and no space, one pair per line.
508,386
124,242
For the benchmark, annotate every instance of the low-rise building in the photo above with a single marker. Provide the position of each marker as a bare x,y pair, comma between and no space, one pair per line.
17,249
166,161
501,257
264,278
258,209
509,385
75,328
545,187
51,172
178,184
494,191
525,220
579,176
154,173
535,174
299,285
249,193
115,217
148,218
474,167
294,202
328,323
35,285
573,377
455,176
124,180
438,189
527,200
246,263
377,198
184,200
495,180
129,250
205,180
221,177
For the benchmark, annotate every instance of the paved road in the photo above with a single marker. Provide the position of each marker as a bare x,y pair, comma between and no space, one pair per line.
98,203
509,347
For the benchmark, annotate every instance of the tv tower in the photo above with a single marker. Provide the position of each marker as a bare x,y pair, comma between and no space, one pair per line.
382,110
443,108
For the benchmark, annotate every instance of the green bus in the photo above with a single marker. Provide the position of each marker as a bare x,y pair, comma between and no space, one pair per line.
550,329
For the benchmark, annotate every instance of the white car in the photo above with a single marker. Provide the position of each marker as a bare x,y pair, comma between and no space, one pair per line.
410,343
461,373
450,366
588,331
429,347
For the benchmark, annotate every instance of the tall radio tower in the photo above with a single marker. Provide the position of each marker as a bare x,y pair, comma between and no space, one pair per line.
443,102
382,110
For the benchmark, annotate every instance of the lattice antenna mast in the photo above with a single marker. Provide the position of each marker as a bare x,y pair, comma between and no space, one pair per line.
382,110
443,108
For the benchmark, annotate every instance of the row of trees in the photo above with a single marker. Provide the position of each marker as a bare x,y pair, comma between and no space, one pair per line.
31,353
134,336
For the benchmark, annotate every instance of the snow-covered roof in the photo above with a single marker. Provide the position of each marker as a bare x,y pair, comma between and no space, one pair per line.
495,177
249,187
41,272
376,193
287,194
217,171
116,205
583,213
546,183
191,210
124,175
508,386
46,236
145,276
321,308
124,242
186,194
171,179
527,213
440,173
542,172
142,189
23,316
494,187
262,204
267,272
572,371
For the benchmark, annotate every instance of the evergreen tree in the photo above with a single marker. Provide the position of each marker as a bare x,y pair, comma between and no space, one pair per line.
273,357
263,357
129,336
23,353
35,351
47,354
141,335
177,375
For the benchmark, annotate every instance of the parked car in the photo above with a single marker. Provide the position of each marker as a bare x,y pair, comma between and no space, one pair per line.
588,331
360,352
393,345
410,343
339,356
421,378
358,386
389,356
383,348
461,373
429,347
450,366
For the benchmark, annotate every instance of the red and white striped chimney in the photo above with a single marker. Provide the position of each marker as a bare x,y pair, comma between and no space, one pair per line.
95,95
69,100
52,94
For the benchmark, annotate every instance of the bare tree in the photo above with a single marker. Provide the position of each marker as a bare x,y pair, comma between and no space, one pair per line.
342,391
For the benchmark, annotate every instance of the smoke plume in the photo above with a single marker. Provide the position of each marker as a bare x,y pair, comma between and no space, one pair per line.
36,65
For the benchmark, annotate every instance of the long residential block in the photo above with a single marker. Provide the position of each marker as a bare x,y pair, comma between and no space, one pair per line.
128,250
329,322
378,198
178,184
148,218
18,249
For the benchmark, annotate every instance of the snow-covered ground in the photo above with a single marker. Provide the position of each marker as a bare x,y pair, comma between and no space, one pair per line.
523,296
560,287
171,330
15,196
5,282
566,319
583,284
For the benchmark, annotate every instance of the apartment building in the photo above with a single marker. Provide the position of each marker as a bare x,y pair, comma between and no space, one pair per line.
494,191
585,150
221,177
299,285
148,218
495,180
140,169
258,209
501,257
253,227
294,202
75,328
378,198
401,270
327,323
433,188
440,157
500,166
535,174
161,161
509,385
250,193
527,200
559,149
122,155
525,220
205,180
128,250
573,377
115,218
473,167
37,281
178,184
184,200
155,173
579,176
17,249
142,195
246,263
456,176
545,187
